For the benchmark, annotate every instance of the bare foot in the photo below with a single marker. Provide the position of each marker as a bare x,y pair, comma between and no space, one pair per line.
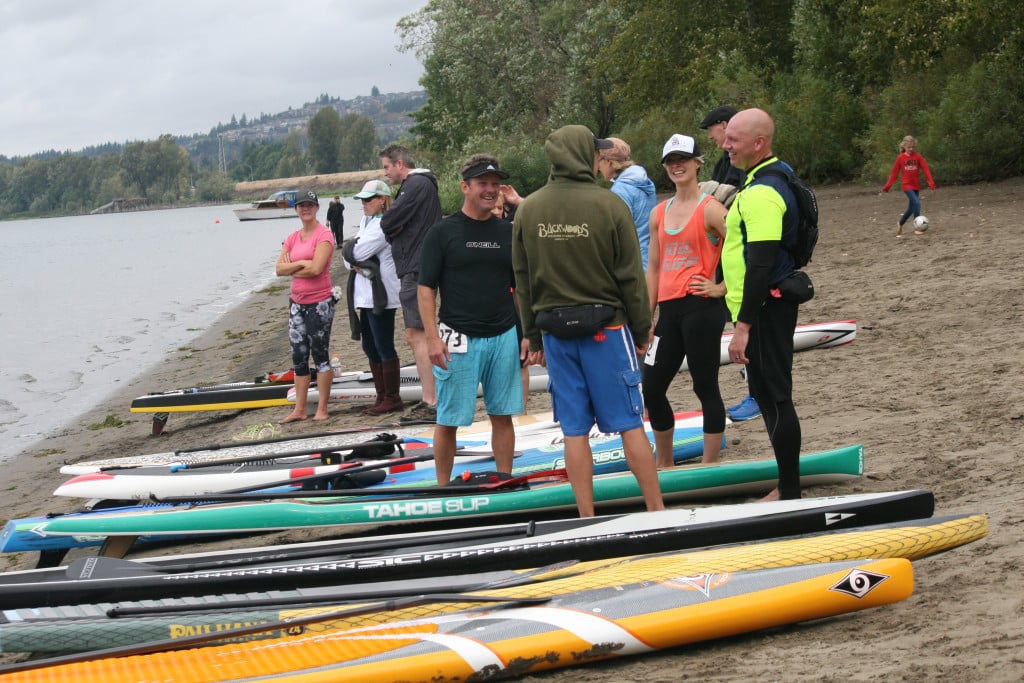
294,417
774,495
709,461
319,417
918,232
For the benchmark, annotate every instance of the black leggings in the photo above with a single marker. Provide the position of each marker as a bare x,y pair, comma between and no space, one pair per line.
689,327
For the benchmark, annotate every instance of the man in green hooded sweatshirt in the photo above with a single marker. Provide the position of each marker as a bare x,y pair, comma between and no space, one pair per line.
578,268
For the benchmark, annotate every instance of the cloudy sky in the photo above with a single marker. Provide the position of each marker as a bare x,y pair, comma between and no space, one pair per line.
75,73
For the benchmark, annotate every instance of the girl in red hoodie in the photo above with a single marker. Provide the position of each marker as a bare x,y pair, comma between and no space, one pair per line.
910,164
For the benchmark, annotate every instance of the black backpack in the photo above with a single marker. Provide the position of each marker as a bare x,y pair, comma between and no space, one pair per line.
807,203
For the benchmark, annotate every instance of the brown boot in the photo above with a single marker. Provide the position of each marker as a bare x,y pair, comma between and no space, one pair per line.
392,401
377,370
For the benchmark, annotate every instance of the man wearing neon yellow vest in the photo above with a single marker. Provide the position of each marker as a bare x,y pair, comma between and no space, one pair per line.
761,233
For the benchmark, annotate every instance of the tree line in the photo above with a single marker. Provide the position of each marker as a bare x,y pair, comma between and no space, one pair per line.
162,171
844,80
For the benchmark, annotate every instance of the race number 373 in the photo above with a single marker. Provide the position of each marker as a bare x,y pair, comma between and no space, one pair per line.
453,339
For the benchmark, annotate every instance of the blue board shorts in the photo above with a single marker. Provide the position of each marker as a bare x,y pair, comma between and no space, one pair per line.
595,378
490,361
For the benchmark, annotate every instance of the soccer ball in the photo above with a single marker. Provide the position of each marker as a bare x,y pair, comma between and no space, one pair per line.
921,223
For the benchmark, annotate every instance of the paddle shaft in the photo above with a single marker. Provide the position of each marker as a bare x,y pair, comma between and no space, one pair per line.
298,437
420,456
287,454
391,493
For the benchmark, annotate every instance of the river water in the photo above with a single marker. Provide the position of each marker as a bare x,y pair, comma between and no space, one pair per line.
90,302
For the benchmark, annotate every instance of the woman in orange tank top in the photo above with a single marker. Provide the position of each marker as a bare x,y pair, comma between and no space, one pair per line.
687,232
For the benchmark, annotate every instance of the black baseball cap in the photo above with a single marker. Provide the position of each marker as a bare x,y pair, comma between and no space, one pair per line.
718,115
304,196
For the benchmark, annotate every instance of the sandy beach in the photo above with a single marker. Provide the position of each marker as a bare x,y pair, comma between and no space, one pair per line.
930,387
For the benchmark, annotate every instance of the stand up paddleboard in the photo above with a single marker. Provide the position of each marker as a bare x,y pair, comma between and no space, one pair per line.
315,509
362,390
554,616
806,337
351,562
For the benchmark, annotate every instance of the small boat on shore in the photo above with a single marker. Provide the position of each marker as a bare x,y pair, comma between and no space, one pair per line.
278,205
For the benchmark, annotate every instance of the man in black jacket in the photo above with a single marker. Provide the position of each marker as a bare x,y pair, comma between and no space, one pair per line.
405,224
336,220
724,172
726,180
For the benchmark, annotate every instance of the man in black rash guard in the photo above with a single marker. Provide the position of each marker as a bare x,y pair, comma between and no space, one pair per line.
467,258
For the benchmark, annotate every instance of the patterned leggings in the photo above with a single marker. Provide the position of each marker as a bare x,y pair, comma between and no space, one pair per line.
309,331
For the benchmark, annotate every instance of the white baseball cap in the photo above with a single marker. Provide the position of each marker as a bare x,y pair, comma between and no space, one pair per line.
683,145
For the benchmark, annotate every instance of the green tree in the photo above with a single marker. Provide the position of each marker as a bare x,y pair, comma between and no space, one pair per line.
358,145
214,185
325,132
156,168
488,67
292,162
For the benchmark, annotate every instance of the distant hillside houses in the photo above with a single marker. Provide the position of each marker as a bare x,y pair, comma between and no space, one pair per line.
390,113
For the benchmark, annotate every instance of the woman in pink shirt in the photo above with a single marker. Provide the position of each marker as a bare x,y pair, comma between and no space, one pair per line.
910,164
306,257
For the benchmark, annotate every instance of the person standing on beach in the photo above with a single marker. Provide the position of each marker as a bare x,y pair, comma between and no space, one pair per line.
725,182
405,224
630,182
467,259
761,232
577,260
336,220
373,297
908,165
686,243
306,258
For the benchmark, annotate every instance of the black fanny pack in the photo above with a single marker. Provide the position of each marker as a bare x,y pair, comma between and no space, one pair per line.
568,322
796,288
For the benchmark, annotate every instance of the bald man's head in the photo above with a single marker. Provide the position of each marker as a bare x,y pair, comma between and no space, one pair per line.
748,138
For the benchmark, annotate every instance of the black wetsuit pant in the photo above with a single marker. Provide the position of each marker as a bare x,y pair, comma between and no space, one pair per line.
770,372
